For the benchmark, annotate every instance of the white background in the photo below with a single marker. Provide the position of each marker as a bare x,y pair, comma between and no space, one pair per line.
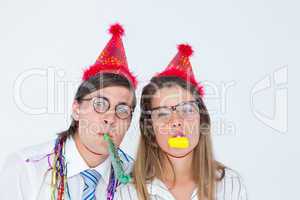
236,43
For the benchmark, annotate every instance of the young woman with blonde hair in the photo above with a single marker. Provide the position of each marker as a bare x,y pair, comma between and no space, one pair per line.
175,155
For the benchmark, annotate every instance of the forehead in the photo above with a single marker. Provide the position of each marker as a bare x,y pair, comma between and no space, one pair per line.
170,96
115,94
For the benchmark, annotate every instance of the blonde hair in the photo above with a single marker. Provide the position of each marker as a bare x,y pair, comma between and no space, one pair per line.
150,158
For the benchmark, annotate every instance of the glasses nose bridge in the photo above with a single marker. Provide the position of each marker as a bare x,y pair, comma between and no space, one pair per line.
109,116
173,108
175,115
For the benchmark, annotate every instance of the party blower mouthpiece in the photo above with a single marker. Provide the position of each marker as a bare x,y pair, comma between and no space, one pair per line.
178,142
116,161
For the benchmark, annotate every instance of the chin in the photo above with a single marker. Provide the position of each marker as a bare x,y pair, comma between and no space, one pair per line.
178,153
101,151
99,148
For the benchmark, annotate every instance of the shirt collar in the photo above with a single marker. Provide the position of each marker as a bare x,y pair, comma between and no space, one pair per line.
158,187
76,164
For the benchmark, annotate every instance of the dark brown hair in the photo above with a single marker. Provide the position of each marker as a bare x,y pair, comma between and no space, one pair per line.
93,84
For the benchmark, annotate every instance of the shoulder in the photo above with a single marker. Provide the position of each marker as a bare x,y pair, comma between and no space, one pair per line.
24,170
126,192
231,186
37,151
28,161
32,153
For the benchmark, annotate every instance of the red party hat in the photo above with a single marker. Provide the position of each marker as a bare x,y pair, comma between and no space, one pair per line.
112,59
181,67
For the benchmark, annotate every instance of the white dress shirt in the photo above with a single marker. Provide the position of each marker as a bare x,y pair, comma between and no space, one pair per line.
26,174
229,188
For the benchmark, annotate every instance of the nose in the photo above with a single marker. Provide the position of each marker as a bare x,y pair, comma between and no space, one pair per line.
176,124
176,121
109,118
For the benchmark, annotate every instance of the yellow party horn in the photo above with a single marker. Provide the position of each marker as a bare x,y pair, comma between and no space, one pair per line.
178,142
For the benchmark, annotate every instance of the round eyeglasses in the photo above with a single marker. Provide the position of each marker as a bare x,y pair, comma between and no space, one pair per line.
102,105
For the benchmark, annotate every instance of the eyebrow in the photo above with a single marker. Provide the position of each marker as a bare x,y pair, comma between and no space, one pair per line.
181,103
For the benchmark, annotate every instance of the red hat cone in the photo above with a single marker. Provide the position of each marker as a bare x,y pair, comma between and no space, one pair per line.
181,67
112,58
